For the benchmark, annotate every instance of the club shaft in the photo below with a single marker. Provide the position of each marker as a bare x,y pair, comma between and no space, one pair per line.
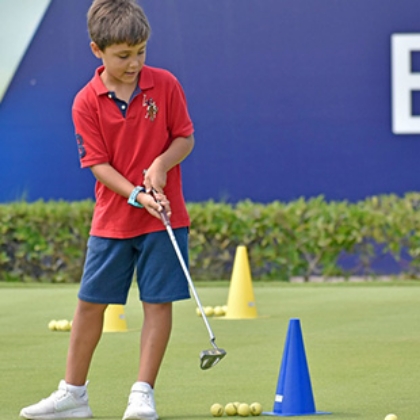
187,275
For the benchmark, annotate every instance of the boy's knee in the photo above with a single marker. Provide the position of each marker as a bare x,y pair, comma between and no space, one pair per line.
157,309
88,308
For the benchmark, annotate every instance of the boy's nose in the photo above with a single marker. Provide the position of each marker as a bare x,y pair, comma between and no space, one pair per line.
135,63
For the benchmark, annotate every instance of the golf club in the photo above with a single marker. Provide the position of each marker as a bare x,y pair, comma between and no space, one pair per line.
210,357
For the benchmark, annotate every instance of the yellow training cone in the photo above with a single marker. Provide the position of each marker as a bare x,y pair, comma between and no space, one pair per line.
114,319
241,300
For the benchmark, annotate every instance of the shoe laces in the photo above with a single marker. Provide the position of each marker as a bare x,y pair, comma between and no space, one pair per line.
142,397
59,393
62,392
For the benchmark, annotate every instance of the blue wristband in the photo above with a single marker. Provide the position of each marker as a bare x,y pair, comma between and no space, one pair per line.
132,200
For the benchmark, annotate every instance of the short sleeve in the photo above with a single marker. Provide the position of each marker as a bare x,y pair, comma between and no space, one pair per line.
179,121
91,146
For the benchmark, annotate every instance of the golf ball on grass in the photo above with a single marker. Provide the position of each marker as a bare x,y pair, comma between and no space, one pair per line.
236,404
52,325
243,410
63,325
60,325
230,409
391,417
256,409
218,311
216,410
209,311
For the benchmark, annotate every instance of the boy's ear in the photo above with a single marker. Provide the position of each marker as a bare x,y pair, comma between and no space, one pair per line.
96,50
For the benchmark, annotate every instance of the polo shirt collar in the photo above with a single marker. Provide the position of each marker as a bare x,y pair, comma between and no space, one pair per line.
146,80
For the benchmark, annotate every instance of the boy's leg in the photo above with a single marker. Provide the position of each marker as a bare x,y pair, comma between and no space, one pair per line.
161,281
86,332
155,335
107,277
154,339
71,399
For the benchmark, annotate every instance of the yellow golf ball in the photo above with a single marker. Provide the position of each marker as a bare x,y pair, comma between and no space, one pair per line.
63,325
209,310
218,311
216,410
52,325
256,409
243,410
391,417
230,409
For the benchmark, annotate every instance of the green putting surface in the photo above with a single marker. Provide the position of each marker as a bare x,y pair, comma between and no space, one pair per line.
362,345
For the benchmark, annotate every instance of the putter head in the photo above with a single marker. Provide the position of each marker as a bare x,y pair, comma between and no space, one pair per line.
210,358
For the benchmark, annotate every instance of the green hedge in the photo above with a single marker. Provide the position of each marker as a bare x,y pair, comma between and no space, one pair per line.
46,241
308,237
43,241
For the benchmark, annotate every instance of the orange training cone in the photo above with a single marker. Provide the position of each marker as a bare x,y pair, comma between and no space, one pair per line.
241,300
114,319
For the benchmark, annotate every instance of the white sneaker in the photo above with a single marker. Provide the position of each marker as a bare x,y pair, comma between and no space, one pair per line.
141,403
61,404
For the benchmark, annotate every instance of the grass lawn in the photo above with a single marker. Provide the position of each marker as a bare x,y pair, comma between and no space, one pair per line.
362,344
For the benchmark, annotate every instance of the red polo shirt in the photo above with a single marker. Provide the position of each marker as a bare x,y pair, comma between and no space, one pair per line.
154,118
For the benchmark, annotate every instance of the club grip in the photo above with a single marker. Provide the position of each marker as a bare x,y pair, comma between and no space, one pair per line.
165,218
163,214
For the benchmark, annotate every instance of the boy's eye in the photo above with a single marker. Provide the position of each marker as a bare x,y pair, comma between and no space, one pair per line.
124,56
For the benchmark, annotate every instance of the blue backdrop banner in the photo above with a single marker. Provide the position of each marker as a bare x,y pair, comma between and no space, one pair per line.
289,98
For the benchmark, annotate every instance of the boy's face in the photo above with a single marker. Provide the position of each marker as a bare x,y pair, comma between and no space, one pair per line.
122,62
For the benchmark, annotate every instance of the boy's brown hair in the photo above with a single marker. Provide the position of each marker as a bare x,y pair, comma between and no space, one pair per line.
117,22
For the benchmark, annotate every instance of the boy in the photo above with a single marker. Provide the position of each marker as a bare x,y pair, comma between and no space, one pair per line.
132,129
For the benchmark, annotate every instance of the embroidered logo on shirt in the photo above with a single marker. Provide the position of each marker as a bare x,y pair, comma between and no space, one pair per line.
80,146
151,108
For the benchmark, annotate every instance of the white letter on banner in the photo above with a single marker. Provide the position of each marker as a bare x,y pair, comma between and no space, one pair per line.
404,82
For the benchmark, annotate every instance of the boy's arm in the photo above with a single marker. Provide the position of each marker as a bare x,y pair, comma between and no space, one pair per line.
113,180
155,176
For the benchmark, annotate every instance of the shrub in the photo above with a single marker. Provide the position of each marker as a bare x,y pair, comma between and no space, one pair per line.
46,241
43,241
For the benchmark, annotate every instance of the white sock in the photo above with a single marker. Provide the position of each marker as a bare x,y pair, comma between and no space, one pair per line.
78,391
144,384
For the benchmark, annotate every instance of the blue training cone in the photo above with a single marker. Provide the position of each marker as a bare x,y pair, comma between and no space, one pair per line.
294,390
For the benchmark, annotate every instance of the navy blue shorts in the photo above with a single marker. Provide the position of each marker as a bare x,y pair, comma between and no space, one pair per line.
110,265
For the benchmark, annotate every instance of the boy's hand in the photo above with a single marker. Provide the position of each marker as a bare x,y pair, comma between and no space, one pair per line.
154,178
155,203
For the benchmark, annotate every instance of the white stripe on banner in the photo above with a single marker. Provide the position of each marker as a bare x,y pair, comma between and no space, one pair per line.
19,21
